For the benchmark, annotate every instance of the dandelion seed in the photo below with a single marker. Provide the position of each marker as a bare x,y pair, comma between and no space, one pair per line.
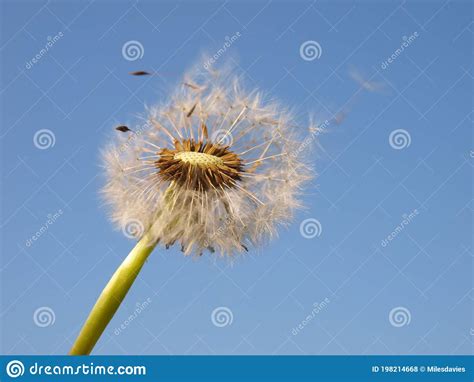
140,73
191,111
122,128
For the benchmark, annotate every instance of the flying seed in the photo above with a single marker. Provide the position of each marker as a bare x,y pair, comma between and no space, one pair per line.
140,73
190,112
191,86
122,128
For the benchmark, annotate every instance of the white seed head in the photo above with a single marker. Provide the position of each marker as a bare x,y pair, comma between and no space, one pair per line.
215,168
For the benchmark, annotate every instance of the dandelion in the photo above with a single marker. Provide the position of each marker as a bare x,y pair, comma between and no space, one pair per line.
213,170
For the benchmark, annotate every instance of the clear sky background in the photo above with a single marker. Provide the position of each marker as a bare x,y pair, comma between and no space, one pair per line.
411,295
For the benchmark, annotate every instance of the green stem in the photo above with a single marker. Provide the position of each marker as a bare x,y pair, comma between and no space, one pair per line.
112,296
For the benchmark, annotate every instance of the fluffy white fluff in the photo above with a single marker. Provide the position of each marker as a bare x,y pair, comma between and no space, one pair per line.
225,220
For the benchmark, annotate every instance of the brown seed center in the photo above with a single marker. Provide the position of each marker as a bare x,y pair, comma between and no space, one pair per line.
200,166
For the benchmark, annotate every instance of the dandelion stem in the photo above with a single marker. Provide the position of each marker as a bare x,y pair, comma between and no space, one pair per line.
112,296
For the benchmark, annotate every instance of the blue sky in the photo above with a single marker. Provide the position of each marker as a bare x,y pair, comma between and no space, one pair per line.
398,142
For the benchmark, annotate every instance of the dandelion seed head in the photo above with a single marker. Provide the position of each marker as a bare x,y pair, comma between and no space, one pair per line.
215,168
